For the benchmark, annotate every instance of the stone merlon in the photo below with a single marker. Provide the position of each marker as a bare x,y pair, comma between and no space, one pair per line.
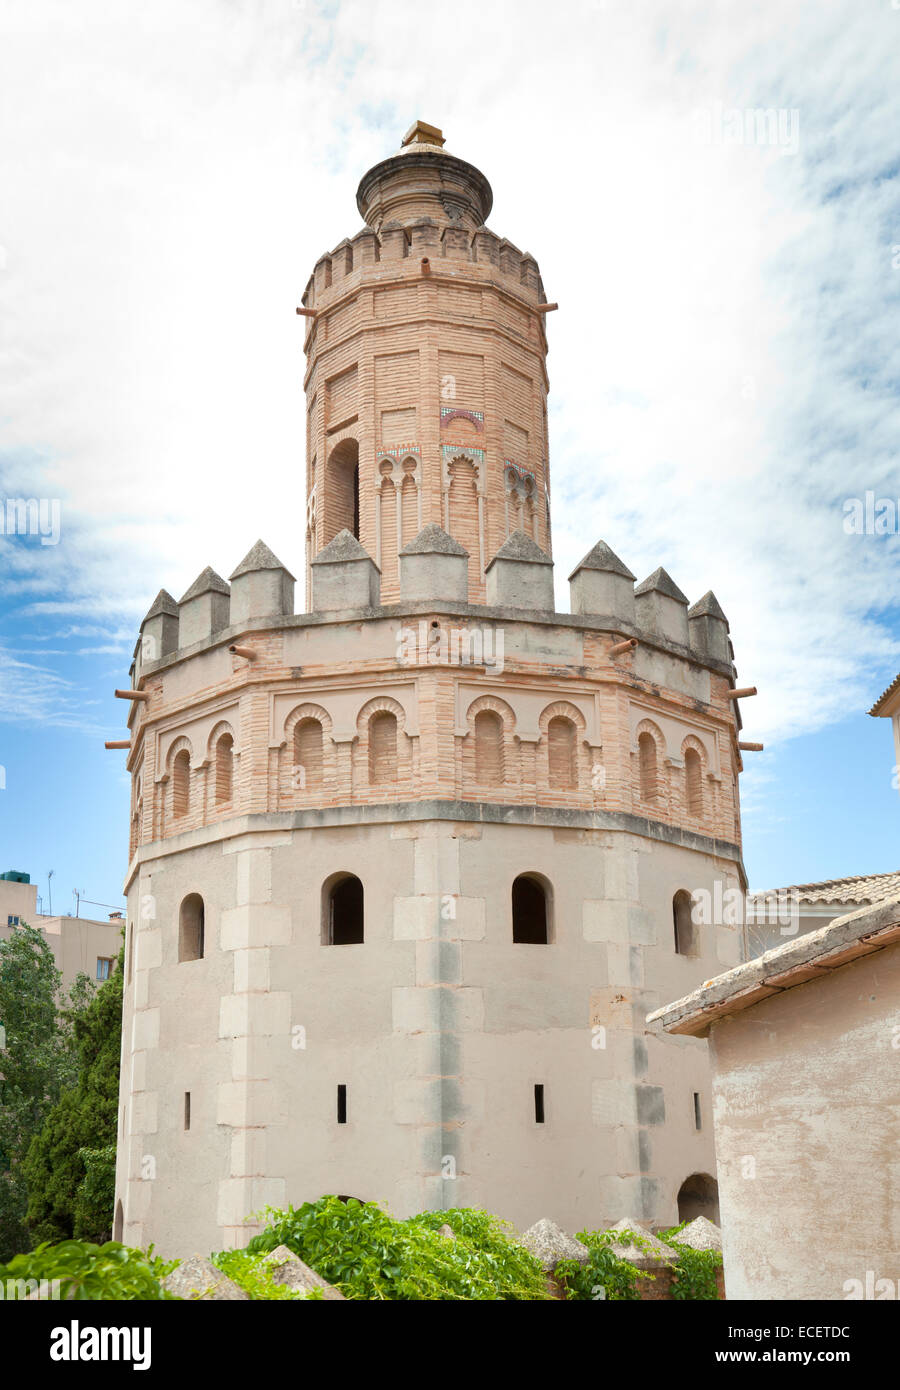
662,607
520,575
601,583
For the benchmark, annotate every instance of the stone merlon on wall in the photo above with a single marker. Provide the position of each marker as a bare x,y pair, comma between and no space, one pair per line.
709,627
602,584
261,587
159,630
204,608
662,607
520,575
344,575
811,957
434,565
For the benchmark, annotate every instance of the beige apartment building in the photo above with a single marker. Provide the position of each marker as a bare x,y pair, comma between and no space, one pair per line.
804,1044
409,868
80,945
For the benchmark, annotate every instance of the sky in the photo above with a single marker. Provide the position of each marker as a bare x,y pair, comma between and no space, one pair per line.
724,364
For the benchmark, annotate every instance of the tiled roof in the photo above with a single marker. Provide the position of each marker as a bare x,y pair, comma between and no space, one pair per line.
859,889
797,962
876,708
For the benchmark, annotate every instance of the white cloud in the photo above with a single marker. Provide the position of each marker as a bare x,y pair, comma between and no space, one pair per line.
723,364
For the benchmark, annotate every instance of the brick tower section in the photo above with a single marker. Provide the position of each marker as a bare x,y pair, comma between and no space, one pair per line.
426,382
409,868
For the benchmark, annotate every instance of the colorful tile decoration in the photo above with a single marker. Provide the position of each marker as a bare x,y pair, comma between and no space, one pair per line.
449,412
452,451
398,451
518,469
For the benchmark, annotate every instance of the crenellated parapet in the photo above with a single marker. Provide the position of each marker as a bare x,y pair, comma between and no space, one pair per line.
637,687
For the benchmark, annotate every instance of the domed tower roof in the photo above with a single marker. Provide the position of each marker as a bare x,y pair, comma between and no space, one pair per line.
424,180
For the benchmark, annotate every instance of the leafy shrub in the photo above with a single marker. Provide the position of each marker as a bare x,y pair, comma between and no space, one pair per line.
95,1272
368,1254
254,1276
604,1269
695,1275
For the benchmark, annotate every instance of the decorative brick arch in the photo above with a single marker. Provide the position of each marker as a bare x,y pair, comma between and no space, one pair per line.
306,711
649,780
297,783
695,800
505,778
549,771
223,727
364,754
377,705
216,802
498,706
171,821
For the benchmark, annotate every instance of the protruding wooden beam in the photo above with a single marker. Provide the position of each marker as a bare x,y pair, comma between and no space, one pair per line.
248,653
621,648
742,693
546,308
132,694
118,743
307,313
751,747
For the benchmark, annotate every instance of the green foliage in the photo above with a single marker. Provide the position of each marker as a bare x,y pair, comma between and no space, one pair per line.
70,1164
367,1254
34,1066
96,1193
92,1272
605,1270
695,1275
254,1276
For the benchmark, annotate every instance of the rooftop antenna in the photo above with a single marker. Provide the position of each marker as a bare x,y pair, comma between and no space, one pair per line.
78,896
50,873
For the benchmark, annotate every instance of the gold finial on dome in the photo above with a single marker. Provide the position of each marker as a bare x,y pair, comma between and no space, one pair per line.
421,133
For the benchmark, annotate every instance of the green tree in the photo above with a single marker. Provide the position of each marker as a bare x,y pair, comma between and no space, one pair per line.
35,1063
70,1165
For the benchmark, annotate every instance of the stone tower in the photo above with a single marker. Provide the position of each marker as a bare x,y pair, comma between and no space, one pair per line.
409,869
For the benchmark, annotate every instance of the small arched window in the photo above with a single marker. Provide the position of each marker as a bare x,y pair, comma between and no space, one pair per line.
308,755
699,1196
344,923
191,928
693,777
561,753
488,748
224,768
181,784
530,911
686,936
382,748
648,768
342,489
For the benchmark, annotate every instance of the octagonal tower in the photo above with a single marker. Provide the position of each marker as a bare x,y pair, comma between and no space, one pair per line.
408,869
426,382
